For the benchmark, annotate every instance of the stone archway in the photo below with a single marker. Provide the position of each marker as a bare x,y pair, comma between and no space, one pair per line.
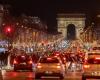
78,20
71,32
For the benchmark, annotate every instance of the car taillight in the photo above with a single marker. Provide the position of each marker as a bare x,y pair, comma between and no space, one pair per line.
86,66
58,65
64,58
57,54
15,62
30,62
49,58
97,58
85,60
39,65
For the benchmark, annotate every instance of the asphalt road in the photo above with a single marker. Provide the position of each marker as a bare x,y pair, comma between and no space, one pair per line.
20,75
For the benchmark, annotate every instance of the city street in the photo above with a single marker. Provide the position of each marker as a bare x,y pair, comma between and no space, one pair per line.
11,75
59,39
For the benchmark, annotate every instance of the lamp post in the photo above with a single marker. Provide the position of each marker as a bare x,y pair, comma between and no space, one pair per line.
8,32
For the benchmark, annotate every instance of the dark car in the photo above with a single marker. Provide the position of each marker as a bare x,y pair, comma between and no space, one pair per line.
62,57
22,62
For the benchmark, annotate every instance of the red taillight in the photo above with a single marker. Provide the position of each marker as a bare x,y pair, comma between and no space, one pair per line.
85,60
49,58
30,62
15,62
64,58
86,66
58,65
39,65
97,58
57,54
23,56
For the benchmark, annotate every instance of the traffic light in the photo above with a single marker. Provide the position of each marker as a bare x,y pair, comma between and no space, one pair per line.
8,30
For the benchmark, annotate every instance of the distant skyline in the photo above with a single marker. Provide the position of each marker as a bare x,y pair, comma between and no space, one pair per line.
47,10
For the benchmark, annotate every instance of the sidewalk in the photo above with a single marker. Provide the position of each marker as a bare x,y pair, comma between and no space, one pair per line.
11,68
7,68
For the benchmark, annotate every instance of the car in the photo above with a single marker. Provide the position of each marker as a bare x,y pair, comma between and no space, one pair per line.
49,66
22,62
95,49
91,67
62,57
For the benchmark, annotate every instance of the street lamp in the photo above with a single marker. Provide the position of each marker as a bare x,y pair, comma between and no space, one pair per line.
8,30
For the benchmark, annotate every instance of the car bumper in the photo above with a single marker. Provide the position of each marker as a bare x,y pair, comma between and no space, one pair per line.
48,74
22,67
91,75
85,77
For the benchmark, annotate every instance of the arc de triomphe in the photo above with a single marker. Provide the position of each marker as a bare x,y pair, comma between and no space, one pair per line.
77,20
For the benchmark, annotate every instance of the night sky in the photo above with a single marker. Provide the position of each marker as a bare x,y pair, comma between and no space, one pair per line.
47,9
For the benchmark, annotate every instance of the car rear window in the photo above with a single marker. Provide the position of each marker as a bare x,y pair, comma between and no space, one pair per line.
49,60
94,59
22,58
96,48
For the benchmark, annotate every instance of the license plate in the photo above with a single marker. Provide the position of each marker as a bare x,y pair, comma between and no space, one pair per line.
48,72
23,63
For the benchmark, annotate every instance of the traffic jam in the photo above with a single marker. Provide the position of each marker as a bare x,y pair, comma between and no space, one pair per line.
53,64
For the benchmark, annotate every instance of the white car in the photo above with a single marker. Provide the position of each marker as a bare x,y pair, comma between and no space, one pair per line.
49,66
91,67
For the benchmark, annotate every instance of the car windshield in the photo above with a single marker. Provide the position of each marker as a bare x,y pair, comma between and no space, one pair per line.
49,60
94,59
96,48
